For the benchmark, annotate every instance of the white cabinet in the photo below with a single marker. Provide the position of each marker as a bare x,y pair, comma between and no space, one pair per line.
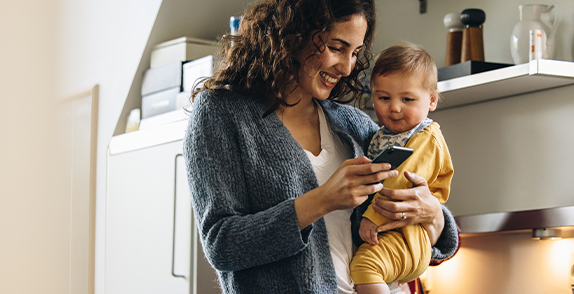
152,244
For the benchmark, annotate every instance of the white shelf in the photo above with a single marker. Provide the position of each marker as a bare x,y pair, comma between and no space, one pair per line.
519,79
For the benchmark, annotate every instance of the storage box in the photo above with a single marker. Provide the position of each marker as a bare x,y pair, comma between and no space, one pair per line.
162,78
467,68
160,102
181,112
181,49
196,70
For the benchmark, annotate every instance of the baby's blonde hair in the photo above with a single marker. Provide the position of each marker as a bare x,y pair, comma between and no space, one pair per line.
407,58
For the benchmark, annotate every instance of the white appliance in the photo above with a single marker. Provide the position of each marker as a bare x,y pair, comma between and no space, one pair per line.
152,244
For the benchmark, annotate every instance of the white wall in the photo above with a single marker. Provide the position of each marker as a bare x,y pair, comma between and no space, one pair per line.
53,50
512,154
102,42
34,233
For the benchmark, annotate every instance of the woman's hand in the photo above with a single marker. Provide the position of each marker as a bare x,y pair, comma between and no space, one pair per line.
352,183
417,204
348,187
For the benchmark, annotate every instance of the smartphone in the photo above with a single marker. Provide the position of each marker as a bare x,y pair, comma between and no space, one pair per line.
395,155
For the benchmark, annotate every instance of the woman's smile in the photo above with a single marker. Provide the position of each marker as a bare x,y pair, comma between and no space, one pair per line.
329,79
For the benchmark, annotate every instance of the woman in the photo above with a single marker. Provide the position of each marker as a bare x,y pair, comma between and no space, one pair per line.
276,166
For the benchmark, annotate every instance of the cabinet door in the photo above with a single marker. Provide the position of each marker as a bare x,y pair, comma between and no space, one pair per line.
152,245
140,222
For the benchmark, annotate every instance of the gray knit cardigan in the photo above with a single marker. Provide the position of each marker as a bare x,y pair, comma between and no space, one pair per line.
244,173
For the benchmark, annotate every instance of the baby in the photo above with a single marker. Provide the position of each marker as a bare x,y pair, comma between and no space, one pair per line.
404,90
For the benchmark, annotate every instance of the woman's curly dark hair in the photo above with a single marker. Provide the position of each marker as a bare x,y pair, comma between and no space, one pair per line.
262,58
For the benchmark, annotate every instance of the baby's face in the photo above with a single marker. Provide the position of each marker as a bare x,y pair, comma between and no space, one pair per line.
402,102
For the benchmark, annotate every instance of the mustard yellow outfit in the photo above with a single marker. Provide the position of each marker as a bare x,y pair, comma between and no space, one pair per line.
404,254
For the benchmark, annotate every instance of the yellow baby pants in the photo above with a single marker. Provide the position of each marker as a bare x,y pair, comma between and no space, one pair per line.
402,255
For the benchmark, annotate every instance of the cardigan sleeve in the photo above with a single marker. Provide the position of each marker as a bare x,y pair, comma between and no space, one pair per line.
449,240
233,237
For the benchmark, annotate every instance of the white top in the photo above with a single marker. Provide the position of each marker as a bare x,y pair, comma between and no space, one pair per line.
338,223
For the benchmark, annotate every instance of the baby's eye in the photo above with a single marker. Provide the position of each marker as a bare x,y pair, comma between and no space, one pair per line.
384,98
408,99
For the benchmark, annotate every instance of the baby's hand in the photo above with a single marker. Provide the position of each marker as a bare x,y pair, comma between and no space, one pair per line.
368,232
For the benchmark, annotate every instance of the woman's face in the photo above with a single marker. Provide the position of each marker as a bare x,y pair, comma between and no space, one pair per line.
320,73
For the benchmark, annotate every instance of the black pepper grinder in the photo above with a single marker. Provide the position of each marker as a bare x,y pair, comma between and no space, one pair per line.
472,42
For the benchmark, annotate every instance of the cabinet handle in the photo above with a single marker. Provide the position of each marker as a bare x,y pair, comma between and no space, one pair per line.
181,258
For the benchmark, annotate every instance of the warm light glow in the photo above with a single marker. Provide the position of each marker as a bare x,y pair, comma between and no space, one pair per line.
506,261
449,272
559,257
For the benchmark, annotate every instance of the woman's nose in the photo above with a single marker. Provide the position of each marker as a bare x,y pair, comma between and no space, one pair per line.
346,65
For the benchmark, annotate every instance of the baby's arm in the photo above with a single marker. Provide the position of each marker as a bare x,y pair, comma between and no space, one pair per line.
368,231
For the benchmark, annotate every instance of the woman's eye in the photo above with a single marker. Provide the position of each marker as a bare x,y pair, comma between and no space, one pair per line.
334,49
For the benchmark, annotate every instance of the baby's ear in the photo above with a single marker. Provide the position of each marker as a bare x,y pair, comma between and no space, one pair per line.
435,97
